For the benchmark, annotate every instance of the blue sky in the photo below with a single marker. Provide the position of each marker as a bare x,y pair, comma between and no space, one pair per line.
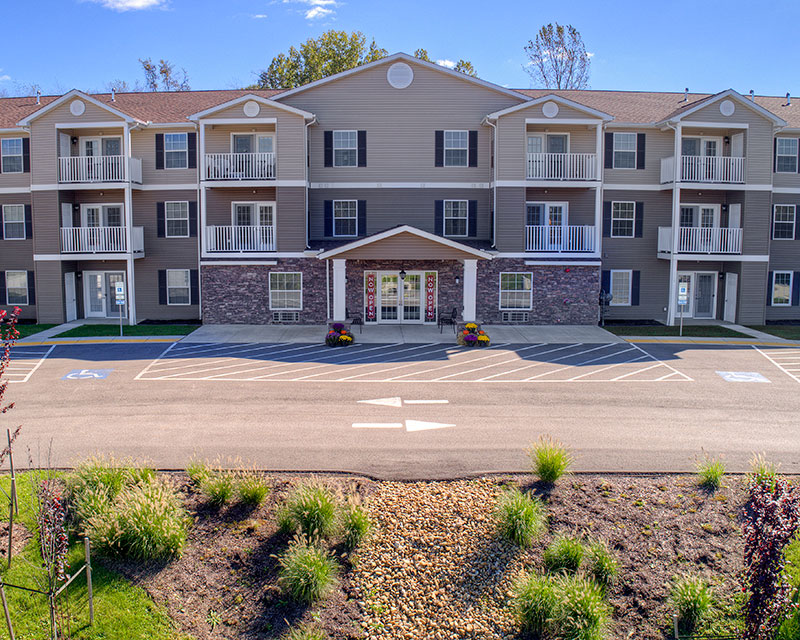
636,45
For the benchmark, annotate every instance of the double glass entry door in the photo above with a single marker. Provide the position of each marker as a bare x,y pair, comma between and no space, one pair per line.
99,295
400,300
702,294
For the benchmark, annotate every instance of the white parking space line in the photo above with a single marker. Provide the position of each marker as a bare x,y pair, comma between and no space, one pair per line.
326,372
778,359
528,366
333,355
380,371
454,364
673,369
577,364
199,362
486,366
25,362
607,367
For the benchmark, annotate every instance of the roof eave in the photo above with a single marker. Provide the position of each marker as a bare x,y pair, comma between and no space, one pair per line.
601,115
71,94
250,96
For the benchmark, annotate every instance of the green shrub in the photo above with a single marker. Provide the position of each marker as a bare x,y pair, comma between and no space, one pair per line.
550,459
252,489
356,525
710,472
198,471
564,555
306,632
582,612
534,602
603,568
690,597
310,509
219,487
520,518
307,573
109,473
762,470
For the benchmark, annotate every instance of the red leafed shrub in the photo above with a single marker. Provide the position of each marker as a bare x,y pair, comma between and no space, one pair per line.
771,518
8,337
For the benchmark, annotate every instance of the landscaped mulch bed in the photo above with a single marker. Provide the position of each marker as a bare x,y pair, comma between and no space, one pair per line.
434,567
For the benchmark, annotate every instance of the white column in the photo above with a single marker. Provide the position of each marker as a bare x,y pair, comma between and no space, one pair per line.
202,189
339,287
598,220
599,152
676,208
128,211
470,289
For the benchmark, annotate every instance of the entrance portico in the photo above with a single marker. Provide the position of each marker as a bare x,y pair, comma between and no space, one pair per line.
404,275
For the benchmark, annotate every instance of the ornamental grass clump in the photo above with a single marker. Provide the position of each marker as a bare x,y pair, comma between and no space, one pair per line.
219,487
564,555
306,632
691,599
582,612
311,509
551,459
762,471
356,526
109,473
710,472
198,470
533,601
602,566
520,517
252,489
307,572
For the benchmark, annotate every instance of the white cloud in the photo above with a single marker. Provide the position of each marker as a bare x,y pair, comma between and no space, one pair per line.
317,9
5,77
446,63
589,55
130,5
259,16
318,12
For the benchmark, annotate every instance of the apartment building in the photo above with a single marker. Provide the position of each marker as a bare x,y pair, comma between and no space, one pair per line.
398,191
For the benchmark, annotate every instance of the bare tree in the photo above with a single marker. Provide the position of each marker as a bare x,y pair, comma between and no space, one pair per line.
558,58
163,76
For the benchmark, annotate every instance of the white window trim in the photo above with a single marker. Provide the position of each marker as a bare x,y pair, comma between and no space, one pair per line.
27,288
772,293
176,133
256,205
546,212
269,286
166,219
786,155
333,213
718,139
102,206
717,213
633,220
445,148
774,221
180,304
543,135
500,291
355,148
256,134
630,287
101,138
24,229
445,218
21,156
614,150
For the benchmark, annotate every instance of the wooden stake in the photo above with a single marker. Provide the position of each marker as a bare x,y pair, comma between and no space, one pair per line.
13,475
11,517
87,545
53,628
6,611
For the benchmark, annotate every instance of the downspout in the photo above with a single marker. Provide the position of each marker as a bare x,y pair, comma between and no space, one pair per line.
306,162
494,181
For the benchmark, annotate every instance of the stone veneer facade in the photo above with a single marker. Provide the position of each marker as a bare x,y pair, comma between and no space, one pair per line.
559,296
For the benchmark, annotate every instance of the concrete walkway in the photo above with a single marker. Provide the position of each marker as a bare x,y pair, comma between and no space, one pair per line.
52,332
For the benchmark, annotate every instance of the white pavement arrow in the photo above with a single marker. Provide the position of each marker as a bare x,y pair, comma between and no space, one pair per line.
398,402
417,425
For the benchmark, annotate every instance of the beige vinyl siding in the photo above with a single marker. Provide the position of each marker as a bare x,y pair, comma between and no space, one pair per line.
405,246
16,255
784,255
387,208
751,304
291,219
46,222
219,202
510,216
581,202
11,180
658,145
143,146
564,112
400,124
50,291
219,138
784,180
756,222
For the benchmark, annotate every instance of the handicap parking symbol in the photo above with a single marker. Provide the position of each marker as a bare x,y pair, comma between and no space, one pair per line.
742,376
87,374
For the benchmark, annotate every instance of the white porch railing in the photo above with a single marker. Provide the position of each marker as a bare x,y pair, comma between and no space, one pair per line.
93,240
562,166
702,240
567,239
238,239
92,169
240,166
711,169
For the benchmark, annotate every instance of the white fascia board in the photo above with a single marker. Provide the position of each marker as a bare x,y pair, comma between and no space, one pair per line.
601,115
10,190
246,98
719,257
19,130
691,124
192,186
785,189
242,258
169,125
714,186
558,184
399,185
242,121
738,97
66,257
565,121
250,184
237,263
610,186
75,93
562,263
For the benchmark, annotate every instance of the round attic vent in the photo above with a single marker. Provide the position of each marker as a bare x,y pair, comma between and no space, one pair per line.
400,75
550,109
726,108
251,108
77,107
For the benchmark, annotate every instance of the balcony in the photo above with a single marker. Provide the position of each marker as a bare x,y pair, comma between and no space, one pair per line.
565,239
89,169
240,166
562,166
101,240
702,240
705,169
240,239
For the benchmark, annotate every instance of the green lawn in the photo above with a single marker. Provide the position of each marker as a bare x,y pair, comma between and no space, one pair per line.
690,331
93,330
122,610
26,330
788,331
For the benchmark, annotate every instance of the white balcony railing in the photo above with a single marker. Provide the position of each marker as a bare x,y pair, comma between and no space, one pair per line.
135,165
92,169
702,240
240,166
93,240
667,169
566,239
239,239
562,166
710,169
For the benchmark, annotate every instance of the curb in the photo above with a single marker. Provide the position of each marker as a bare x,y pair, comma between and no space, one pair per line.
718,341
98,340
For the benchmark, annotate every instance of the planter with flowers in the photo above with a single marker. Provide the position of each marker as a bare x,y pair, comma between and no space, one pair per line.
338,335
471,335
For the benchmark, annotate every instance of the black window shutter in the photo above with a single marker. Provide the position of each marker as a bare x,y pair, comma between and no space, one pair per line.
438,217
362,148
639,223
1,227
194,283
193,219
772,225
161,224
775,155
609,151
328,135
607,219
636,277
328,210
796,224
640,144
438,156
770,277
191,145
605,281
159,151
28,222
26,155
362,217
798,155
3,299
31,287
472,220
473,148
162,286
796,288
